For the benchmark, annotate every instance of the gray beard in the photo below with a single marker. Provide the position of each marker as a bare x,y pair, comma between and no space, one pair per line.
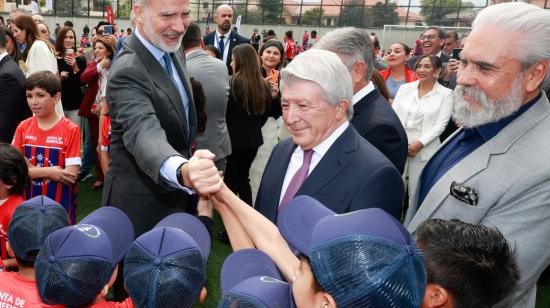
156,39
491,110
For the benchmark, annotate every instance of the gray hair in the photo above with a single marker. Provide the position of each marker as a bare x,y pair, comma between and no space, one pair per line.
351,44
530,22
326,70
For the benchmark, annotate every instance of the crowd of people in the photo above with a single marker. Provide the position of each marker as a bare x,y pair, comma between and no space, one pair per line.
419,182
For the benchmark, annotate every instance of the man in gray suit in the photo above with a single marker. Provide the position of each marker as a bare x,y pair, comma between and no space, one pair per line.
495,171
213,76
153,121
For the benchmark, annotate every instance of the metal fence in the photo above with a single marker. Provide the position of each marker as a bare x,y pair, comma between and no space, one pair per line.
331,13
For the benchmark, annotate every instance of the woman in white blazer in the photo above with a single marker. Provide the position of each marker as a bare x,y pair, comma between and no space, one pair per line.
37,53
424,108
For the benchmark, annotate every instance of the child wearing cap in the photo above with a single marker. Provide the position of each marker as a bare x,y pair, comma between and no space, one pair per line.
51,144
31,222
14,176
166,267
359,259
78,264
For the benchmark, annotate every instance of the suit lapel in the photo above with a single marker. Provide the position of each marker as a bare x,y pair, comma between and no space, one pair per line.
160,77
333,162
478,160
179,61
365,101
277,177
471,165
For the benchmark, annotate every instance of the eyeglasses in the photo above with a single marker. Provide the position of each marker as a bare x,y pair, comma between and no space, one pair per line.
100,32
429,37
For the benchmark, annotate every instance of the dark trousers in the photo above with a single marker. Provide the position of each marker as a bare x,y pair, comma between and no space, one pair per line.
237,172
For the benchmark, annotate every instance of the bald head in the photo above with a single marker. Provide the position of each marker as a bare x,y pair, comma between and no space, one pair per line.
224,18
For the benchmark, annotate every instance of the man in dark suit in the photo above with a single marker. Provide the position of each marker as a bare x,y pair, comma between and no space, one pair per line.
433,41
153,120
13,103
325,158
223,38
373,116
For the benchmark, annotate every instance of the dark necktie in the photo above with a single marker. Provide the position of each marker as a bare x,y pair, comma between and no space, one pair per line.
170,72
221,47
168,67
298,179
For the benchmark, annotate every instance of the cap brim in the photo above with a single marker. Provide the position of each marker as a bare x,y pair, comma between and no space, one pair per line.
192,226
270,292
297,220
116,225
244,264
373,221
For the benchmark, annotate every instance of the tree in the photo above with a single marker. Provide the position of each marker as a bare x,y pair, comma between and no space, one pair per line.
312,16
352,13
271,11
437,12
381,14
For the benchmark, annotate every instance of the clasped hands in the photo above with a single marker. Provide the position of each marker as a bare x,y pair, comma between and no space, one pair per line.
201,174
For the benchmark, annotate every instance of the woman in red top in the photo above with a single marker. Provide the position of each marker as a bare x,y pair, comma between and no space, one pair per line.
397,73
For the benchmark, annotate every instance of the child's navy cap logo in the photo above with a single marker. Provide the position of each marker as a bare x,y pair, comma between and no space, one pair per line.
89,230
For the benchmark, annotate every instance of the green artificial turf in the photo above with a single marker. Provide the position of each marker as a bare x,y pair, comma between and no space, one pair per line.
90,200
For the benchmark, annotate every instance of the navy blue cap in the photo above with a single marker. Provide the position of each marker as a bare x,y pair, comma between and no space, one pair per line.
76,262
244,264
31,222
190,225
250,278
368,251
116,225
166,267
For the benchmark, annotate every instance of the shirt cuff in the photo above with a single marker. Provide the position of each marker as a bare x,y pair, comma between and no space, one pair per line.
98,67
73,161
168,173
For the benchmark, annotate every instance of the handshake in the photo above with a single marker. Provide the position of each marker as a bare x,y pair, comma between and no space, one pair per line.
201,174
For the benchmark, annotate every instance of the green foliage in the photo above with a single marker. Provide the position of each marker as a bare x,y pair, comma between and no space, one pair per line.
352,13
124,9
271,11
442,12
381,14
312,16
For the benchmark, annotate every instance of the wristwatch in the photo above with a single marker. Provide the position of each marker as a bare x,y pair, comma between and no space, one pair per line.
179,176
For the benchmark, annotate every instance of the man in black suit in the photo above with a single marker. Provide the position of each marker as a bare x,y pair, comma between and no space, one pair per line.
223,38
326,158
153,120
373,116
433,41
13,103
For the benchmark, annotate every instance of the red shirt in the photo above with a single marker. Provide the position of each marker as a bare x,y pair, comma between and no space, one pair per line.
18,292
57,146
106,134
6,210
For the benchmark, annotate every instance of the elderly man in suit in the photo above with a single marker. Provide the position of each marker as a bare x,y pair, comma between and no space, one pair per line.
153,120
13,103
326,158
373,116
212,74
495,171
223,38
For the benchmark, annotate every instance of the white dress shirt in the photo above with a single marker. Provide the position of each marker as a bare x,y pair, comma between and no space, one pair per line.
319,151
362,93
217,39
